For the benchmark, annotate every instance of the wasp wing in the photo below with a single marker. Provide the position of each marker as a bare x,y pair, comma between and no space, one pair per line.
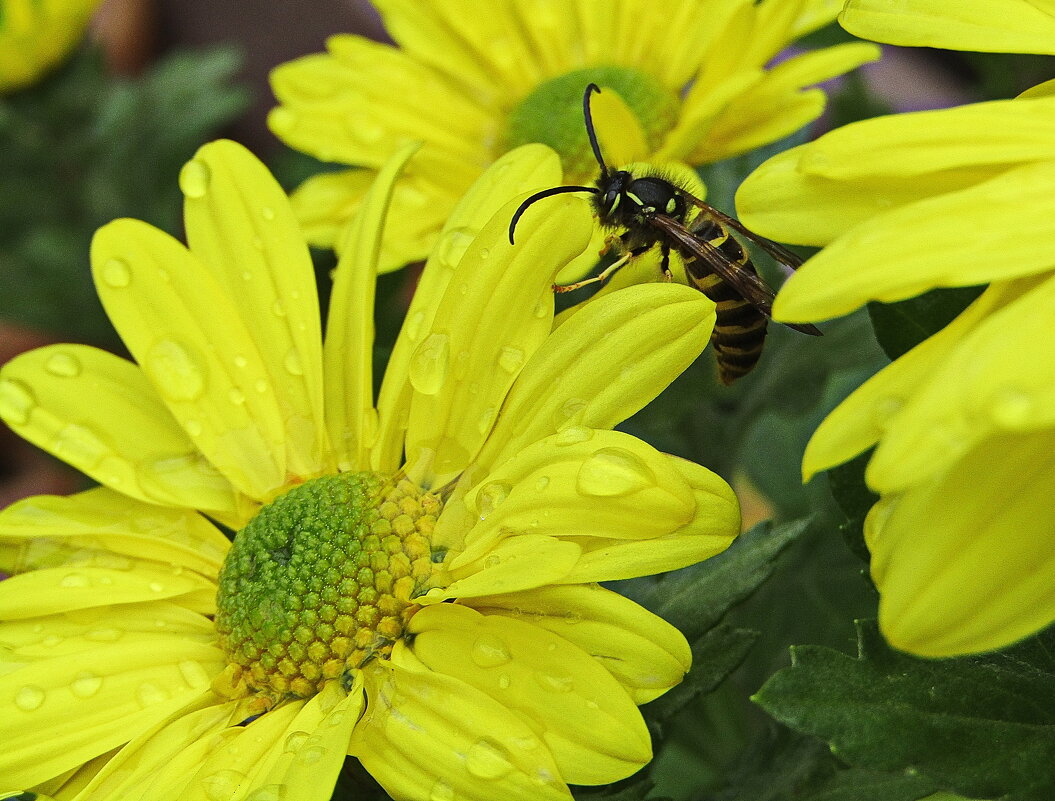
746,283
777,251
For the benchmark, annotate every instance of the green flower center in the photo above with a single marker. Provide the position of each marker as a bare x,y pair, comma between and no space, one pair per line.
552,114
322,580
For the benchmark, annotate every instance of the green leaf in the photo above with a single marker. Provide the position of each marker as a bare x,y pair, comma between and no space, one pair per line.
847,484
901,326
980,726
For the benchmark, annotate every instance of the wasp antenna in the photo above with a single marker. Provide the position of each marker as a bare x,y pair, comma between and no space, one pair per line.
590,89
556,190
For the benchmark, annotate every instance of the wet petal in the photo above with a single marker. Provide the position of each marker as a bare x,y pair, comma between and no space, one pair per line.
348,351
186,333
603,364
522,171
103,520
428,733
904,252
1000,26
100,414
964,563
580,483
999,378
240,225
113,692
517,563
496,311
643,652
587,720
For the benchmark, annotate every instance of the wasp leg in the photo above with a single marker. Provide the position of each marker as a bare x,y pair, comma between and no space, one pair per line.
601,276
664,262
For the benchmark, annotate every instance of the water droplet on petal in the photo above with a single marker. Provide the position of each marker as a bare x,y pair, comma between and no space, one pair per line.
193,427
884,409
116,273
241,362
487,419
63,365
156,586
194,674
29,698
1011,408
511,359
484,253
269,792
295,741
491,496
149,694
489,651
74,580
487,759
541,483
430,363
413,325
504,681
613,471
441,791
292,363
569,411
555,682
80,446
573,435
260,385
222,785
194,178
104,635
544,306
452,246
17,401
86,684
311,753
267,213
52,640
236,396
176,370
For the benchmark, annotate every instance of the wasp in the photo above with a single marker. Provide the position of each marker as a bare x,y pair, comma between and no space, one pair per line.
652,210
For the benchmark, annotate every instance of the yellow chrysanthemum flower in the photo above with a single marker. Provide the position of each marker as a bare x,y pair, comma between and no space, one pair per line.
36,34
963,538
690,82
435,615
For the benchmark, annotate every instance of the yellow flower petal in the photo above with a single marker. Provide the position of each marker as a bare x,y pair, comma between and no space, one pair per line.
991,26
643,652
113,692
35,36
873,408
348,352
603,364
105,520
903,252
240,225
517,563
494,314
100,414
579,482
63,589
186,332
159,762
425,733
999,378
964,563
587,720
713,528
524,170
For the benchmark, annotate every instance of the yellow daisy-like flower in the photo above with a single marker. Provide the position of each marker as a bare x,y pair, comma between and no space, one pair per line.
413,582
689,81
36,34
963,538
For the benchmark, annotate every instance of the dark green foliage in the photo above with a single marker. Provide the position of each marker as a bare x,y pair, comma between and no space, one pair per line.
83,148
901,326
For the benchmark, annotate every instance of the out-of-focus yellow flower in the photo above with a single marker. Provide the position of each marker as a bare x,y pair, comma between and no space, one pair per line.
963,538
685,81
413,582
35,35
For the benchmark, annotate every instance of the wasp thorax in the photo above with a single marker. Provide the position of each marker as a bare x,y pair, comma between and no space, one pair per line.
552,114
323,579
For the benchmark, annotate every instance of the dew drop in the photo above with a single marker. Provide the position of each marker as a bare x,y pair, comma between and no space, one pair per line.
541,483
413,326
278,309
260,385
116,273
51,641
568,411
452,246
484,253
193,427
555,682
17,401
194,674
149,694
430,363
267,213
486,759
29,698
310,754
104,635
295,741
241,362
487,419
489,651
86,684
441,791
613,471
156,586
79,446
222,785
74,580
194,178
292,363
544,306
573,435
269,792
1011,408
236,396
176,370
490,497
511,359
63,365
504,681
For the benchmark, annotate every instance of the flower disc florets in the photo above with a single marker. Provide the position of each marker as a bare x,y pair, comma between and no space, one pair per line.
322,579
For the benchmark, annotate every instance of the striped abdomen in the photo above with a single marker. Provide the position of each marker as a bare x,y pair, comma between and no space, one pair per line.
739,328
